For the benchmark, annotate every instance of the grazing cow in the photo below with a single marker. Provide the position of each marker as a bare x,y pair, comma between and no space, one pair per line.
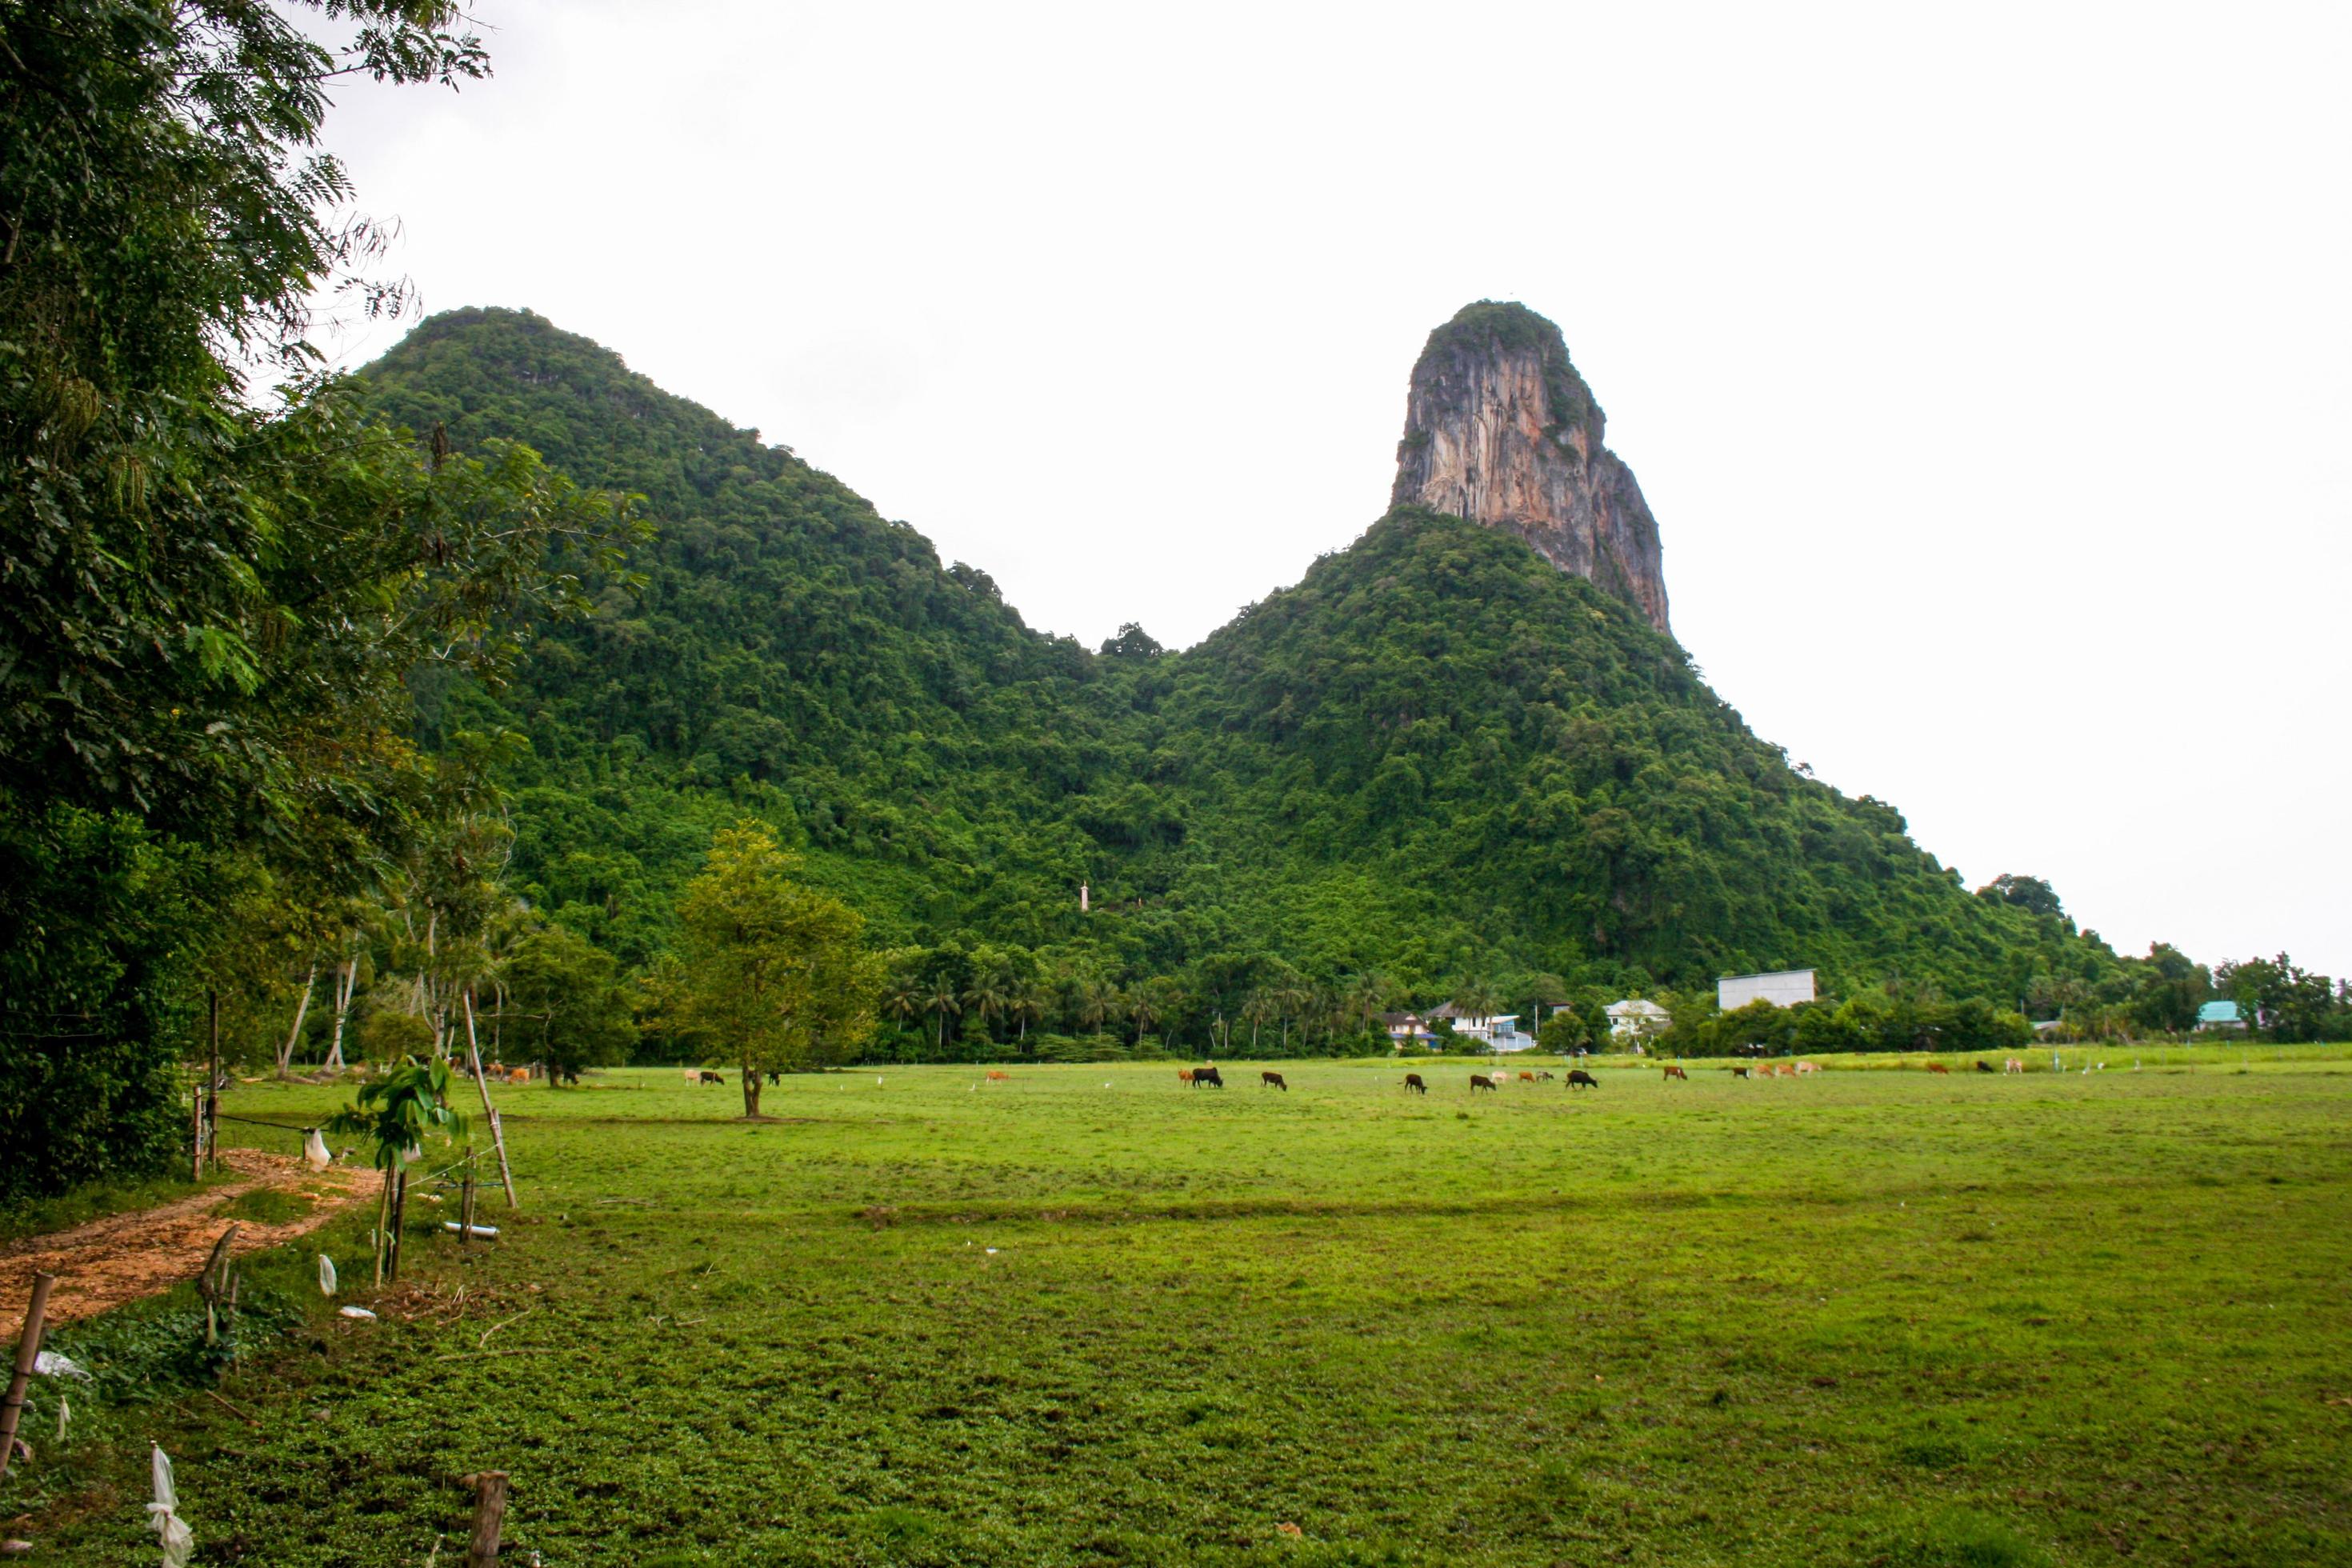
995,1077
1273,1081
1413,1085
1938,1067
1545,1076
1677,1072
518,1075
1739,1072
2013,1065
1209,1075
1807,1066
693,1075
1983,1066
1183,1074
716,1077
1480,1081
1527,1078
1578,1078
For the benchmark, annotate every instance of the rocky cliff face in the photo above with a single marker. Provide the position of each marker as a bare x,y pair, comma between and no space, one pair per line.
1500,429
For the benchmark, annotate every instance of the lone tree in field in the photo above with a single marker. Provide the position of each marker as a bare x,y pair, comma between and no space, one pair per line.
776,977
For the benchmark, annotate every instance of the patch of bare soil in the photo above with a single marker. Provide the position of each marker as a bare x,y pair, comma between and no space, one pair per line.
124,1257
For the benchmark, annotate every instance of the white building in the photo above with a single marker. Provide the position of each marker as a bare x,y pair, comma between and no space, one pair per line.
1636,1018
1782,988
1497,1031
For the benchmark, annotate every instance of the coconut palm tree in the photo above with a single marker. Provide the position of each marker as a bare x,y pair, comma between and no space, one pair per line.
939,1002
1144,1008
1097,1005
988,998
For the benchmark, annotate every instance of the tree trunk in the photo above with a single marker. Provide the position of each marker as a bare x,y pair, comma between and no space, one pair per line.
750,1093
344,980
302,1011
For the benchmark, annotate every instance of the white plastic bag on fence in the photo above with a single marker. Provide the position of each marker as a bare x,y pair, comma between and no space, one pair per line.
314,1150
163,1518
49,1364
326,1275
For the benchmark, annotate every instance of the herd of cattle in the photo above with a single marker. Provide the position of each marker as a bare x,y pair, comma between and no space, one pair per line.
1210,1078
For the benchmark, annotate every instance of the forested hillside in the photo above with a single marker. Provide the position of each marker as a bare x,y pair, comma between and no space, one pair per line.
1436,759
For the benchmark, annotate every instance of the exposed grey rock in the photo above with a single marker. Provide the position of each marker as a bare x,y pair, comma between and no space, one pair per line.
1500,429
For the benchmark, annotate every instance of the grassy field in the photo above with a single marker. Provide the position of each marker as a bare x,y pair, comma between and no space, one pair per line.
1092,1317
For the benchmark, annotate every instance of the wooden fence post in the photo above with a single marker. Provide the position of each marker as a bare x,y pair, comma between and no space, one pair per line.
196,1135
466,1204
211,1080
27,1349
498,1134
399,1216
489,1518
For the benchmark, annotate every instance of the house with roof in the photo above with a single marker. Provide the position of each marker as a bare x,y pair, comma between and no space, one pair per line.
1498,1031
1636,1018
2221,1016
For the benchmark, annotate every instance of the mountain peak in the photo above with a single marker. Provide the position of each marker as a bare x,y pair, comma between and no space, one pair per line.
1500,429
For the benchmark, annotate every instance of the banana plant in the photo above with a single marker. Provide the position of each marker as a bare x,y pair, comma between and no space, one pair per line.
395,1111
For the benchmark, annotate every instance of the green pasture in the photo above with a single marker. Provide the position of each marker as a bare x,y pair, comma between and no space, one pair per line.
1091,1316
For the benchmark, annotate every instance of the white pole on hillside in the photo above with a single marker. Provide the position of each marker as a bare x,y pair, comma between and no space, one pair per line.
498,1134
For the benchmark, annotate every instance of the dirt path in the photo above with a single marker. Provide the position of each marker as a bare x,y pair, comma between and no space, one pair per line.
124,1257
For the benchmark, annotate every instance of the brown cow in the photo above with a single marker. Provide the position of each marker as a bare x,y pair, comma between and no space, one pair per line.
1677,1072
518,1075
1413,1085
1739,1072
1938,1067
1803,1067
999,1077
1273,1081
714,1077
1480,1081
1183,1074
1545,1076
1527,1078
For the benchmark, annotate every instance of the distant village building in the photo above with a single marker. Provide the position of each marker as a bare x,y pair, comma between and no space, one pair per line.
1781,987
1405,1028
1497,1031
2218,1015
1636,1018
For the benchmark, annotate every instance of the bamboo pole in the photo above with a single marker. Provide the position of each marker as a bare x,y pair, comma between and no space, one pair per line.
498,1134
196,1135
29,1348
489,1518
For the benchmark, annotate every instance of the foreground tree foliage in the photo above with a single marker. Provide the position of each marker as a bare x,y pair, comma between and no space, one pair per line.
213,593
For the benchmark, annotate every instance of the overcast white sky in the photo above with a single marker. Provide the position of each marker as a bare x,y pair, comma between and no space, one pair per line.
1987,368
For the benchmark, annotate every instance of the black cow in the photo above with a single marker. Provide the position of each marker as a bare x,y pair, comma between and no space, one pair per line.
1480,1081
1208,1075
1273,1081
1413,1085
709,1077
1984,1066
1578,1078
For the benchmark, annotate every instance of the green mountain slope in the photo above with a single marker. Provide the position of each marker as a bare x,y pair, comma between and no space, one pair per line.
1436,757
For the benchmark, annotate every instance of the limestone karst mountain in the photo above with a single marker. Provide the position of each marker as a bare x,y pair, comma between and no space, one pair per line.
1438,756
1500,429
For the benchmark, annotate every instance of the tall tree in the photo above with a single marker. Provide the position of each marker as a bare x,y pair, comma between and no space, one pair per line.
777,977
211,602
